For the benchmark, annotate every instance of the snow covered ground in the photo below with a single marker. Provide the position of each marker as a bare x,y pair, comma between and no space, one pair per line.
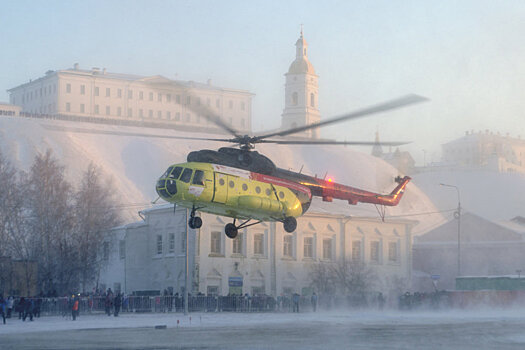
488,329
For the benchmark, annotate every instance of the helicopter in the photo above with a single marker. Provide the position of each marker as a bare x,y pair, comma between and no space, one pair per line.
245,185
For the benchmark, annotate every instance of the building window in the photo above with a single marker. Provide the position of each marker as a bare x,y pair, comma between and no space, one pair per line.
177,99
108,109
82,108
168,115
68,89
108,92
215,247
82,89
392,251
122,249
230,104
119,93
141,113
96,108
258,247
237,244
159,244
151,96
217,103
150,113
160,97
96,91
168,98
130,112
106,250
68,107
374,251
295,99
159,115
309,247
312,100
208,102
327,249
141,95
188,117
119,111
243,106
356,250
242,122
177,116
288,246
130,94
171,247
198,101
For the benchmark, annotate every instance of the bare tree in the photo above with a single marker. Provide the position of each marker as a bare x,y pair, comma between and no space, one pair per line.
322,278
50,222
95,215
353,277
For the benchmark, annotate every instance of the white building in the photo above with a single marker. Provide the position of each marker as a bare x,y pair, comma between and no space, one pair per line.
9,110
98,94
150,255
487,151
301,93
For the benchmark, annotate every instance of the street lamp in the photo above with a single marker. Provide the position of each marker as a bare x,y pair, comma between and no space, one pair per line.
458,216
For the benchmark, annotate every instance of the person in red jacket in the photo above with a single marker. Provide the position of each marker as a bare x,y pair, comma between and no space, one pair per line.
74,308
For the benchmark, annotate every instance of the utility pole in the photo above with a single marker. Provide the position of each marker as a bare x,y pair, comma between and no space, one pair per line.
187,277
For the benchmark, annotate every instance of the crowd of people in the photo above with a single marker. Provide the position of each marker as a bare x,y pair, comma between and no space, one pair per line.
113,303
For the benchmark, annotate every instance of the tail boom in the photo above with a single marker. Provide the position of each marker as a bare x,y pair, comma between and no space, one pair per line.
354,195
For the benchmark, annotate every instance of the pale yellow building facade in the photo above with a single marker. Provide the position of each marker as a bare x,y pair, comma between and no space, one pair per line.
98,94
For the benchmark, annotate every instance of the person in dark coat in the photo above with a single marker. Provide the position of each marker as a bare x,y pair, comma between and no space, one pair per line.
295,300
108,302
28,309
3,307
117,303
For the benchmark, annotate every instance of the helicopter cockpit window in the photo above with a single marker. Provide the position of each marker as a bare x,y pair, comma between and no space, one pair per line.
186,175
198,178
175,173
268,192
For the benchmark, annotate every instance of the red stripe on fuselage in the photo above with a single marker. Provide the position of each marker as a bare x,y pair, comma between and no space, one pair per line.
280,182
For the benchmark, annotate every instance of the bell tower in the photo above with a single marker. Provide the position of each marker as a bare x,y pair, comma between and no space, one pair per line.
301,105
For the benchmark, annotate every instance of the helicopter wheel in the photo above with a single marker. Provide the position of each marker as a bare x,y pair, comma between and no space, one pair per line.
231,231
289,224
195,222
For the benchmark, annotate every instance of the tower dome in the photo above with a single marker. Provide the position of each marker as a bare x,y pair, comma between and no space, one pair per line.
301,65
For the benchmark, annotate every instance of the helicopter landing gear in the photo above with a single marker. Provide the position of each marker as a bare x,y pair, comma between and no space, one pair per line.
289,224
231,230
194,221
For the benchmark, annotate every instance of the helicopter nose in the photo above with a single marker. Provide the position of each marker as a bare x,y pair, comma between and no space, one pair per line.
166,188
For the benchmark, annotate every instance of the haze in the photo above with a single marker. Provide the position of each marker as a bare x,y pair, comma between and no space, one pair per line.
467,58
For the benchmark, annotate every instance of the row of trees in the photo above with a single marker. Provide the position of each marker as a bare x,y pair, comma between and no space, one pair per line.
61,227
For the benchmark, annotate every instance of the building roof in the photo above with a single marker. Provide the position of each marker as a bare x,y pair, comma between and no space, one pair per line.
155,79
473,229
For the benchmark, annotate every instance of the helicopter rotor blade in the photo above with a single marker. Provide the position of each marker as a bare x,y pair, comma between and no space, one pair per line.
207,113
329,142
136,134
382,107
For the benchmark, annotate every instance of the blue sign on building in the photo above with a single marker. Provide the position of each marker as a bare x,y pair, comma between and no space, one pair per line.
235,282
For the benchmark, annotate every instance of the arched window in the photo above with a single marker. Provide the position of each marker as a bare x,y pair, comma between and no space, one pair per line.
312,100
295,98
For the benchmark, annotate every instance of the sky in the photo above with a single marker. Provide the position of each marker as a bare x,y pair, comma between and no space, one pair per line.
467,57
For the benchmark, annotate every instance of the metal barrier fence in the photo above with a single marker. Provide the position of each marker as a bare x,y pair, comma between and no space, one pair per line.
142,304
